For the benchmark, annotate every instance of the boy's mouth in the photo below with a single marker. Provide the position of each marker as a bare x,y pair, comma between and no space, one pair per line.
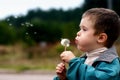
76,41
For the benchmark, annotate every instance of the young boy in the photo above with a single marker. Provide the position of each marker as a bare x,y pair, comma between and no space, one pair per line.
99,30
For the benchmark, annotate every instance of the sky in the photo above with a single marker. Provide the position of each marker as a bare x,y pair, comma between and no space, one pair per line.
21,7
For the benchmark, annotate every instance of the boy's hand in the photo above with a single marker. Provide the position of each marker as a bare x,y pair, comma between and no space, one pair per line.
66,56
61,71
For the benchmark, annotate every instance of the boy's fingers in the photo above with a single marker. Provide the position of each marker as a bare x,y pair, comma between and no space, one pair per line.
63,54
60,67
59,70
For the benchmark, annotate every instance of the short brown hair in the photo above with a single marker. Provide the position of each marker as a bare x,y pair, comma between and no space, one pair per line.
106,21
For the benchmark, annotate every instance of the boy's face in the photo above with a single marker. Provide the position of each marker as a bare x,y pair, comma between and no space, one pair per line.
85,39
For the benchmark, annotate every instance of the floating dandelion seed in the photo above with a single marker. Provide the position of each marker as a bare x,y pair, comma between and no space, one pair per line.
35,32
65,42
10,24
26,33
22,24
31,25
8,19
16,17
27,23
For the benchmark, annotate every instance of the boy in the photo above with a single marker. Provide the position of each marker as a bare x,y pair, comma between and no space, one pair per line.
99,30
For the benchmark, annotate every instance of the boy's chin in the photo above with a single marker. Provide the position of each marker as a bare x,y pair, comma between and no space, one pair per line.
81,48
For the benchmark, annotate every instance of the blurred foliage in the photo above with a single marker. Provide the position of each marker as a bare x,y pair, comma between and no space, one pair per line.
19,57
101,3
49,26
7,33
39,33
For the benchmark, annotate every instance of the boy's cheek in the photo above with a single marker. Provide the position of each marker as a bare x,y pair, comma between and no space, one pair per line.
83,40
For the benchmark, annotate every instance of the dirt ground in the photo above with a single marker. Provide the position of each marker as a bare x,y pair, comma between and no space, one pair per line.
27,75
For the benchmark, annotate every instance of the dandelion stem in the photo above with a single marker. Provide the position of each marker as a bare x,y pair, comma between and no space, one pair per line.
65,48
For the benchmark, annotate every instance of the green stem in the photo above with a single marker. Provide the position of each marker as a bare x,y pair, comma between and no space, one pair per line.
65,48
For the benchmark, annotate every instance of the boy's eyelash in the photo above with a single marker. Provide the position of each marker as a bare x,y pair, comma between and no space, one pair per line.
84,29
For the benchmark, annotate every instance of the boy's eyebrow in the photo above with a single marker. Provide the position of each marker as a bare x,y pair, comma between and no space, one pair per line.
81,26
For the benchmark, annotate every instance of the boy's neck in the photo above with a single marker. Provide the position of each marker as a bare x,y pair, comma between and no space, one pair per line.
96,47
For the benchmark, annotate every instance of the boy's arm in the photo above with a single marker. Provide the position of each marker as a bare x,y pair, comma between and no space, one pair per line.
104,71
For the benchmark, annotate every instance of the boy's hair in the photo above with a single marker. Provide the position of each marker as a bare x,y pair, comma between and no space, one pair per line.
105,21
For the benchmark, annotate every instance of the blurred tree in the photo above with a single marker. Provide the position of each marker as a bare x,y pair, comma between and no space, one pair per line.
51,25
94,3
44,31
7,33
101,3
116,6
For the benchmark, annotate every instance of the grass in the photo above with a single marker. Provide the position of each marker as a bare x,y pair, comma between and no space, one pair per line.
21,58
22,65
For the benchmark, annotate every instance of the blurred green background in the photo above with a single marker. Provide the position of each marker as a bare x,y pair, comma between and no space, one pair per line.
32,41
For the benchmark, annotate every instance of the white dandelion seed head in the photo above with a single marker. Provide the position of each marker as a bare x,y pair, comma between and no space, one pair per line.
65,42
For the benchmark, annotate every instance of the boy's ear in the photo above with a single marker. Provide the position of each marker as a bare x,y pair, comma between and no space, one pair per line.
102,38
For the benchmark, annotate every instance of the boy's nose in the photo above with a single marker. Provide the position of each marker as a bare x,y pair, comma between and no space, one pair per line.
78,33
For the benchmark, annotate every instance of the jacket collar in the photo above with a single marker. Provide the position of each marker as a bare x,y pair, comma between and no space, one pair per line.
108,55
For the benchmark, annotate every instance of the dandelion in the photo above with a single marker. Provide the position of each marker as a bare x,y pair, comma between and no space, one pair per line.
65,42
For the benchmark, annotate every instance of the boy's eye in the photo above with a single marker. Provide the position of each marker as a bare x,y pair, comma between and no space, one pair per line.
84,29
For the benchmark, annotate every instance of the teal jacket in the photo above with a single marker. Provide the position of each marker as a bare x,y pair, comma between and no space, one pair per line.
106,67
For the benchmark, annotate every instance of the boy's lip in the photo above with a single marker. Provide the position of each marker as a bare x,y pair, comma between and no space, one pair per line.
76,41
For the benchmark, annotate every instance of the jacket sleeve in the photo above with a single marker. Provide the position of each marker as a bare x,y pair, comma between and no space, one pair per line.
104,71
56,78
